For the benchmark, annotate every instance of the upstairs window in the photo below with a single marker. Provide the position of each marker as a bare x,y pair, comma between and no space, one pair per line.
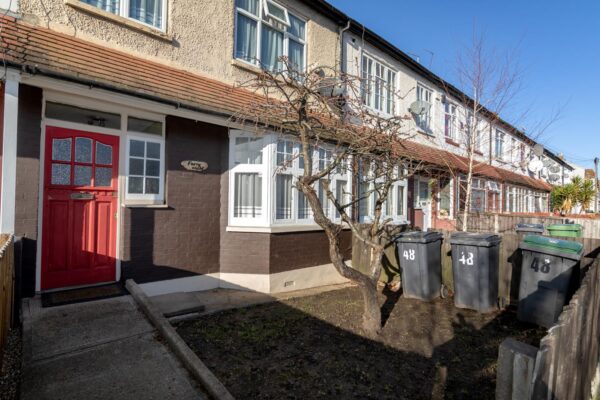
450,121
265,32
378,86
148,12
499,145
424,120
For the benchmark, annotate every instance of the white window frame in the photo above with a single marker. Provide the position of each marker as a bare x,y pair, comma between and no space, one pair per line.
268,14
425,91
499,151
123,11
262,169
295,171
370,81
154,198
259,29
450,114
395,219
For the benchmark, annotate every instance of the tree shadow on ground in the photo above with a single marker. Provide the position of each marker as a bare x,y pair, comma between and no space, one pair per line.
313,348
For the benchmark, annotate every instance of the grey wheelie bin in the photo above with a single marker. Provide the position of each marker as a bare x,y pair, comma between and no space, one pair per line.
475,261
529,228
420,258
547,278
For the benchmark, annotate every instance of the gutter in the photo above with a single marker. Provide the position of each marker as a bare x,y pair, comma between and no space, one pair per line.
32,70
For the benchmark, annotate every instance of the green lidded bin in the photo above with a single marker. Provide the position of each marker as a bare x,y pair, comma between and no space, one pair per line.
549,271
565,230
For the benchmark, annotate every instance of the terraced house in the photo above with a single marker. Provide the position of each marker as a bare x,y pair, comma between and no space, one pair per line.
119,159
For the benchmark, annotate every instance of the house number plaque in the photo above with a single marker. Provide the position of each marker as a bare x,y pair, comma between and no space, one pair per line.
196,166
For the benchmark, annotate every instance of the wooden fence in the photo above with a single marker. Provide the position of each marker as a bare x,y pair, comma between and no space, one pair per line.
501,223
7,279
569,354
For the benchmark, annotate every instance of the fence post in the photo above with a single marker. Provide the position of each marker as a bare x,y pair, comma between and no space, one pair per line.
516,361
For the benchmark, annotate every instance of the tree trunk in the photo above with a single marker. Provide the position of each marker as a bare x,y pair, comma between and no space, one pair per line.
372,310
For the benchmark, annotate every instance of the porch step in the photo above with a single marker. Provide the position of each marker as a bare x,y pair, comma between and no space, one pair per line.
176,304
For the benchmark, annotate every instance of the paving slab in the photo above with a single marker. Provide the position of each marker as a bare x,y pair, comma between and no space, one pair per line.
104,349
134,368
174,304
58,330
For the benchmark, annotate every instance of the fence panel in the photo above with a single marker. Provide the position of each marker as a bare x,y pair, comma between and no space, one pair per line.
7,276
569,353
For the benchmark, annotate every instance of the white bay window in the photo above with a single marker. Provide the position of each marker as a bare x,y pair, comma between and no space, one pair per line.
394,207
378,86
263,175
265,31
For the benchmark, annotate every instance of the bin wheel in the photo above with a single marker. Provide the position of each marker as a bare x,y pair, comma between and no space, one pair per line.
443,292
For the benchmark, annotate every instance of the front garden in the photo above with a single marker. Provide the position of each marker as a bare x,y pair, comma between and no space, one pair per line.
314,347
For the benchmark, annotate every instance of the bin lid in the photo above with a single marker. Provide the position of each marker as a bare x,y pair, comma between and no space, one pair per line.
548,245
565,227
524,225
475,239
419,237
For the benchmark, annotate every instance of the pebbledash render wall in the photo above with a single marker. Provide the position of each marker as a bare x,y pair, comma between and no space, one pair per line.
199,34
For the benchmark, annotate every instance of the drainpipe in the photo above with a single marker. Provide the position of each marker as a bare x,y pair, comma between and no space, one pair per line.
596,161
342,53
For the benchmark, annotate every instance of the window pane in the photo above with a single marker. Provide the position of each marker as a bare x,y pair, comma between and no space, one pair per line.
477,201
246,39
249,5
136,166
146,11
445,196
82,115
322,193
248,150
83,175
103,154
297,27
365,200
271,48
276,11
83,150
61,174
400,201
153,150
152,185
285,152
340,195
283,194
106,5
144,126
136,148
103,176
423,191
296,55
247,196
61,149
152,168
304,211
136,185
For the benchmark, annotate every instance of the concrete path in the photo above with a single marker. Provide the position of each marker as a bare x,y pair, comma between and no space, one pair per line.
104,349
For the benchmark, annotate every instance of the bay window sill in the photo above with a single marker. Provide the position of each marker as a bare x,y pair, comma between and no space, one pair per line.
146,205
276,228
246,66
129,23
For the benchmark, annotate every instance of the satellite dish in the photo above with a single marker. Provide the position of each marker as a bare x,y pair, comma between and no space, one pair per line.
538,150
419,107
544,173
555,169
547,162
331,87
535,165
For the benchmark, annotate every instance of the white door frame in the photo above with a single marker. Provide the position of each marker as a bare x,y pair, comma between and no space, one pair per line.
423,205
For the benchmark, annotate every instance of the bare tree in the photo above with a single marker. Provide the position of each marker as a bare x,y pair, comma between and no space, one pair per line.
322,109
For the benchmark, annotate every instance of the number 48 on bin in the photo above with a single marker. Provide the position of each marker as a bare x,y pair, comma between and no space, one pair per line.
466,260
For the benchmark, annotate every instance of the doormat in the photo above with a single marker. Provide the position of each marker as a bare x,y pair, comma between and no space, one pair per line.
73,296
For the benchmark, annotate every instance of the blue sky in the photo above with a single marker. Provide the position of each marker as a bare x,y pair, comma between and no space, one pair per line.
559,52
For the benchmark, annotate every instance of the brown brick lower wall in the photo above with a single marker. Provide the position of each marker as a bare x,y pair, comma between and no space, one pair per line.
182,240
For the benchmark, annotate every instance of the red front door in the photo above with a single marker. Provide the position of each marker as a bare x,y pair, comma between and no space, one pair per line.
80,205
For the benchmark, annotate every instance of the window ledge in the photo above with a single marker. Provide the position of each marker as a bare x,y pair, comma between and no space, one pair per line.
421,131
158,206
246,66
276,229
452,142
154,32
